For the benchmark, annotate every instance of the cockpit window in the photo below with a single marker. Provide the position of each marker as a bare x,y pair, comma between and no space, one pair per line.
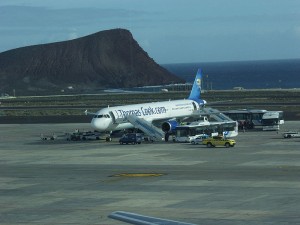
101,116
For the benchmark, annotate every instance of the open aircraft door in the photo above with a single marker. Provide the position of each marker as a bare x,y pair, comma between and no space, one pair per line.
112,117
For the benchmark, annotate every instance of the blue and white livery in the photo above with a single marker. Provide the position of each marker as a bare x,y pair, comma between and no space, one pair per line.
116,118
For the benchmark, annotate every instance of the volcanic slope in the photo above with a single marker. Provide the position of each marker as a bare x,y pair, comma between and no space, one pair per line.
107,59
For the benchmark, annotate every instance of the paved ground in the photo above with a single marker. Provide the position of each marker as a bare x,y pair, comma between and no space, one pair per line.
60,182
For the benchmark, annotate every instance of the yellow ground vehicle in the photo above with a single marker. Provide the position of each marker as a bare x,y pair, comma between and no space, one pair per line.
218,141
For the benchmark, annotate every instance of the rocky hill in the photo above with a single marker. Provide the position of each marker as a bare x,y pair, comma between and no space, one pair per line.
107,59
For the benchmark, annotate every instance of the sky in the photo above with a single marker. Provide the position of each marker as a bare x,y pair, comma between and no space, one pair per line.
170,31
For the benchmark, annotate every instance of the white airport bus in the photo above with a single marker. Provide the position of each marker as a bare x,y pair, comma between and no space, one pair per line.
272,119
246,118
186,133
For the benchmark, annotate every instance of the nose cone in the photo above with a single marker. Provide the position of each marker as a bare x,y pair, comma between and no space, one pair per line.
100,124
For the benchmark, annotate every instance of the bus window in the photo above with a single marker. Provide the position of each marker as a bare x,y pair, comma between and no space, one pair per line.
182,132
228,126
257,116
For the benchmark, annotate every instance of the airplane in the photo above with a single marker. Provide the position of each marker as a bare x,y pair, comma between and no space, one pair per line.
116,118
137,219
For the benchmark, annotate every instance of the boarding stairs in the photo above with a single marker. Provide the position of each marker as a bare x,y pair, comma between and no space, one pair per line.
148,128
213,114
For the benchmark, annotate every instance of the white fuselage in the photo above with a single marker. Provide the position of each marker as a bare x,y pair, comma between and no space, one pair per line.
114,118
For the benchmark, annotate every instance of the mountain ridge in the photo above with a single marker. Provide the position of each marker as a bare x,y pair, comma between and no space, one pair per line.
106,59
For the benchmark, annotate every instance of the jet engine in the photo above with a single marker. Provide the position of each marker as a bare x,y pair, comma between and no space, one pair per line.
169,126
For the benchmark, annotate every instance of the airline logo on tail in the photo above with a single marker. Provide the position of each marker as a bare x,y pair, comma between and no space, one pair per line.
196,89
199,82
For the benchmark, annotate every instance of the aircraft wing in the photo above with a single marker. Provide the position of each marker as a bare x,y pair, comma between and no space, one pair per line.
89,113
137,219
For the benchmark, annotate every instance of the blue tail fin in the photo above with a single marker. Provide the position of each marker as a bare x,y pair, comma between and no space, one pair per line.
196,89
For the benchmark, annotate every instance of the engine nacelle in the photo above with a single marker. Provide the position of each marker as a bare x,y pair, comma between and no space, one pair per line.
169,126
